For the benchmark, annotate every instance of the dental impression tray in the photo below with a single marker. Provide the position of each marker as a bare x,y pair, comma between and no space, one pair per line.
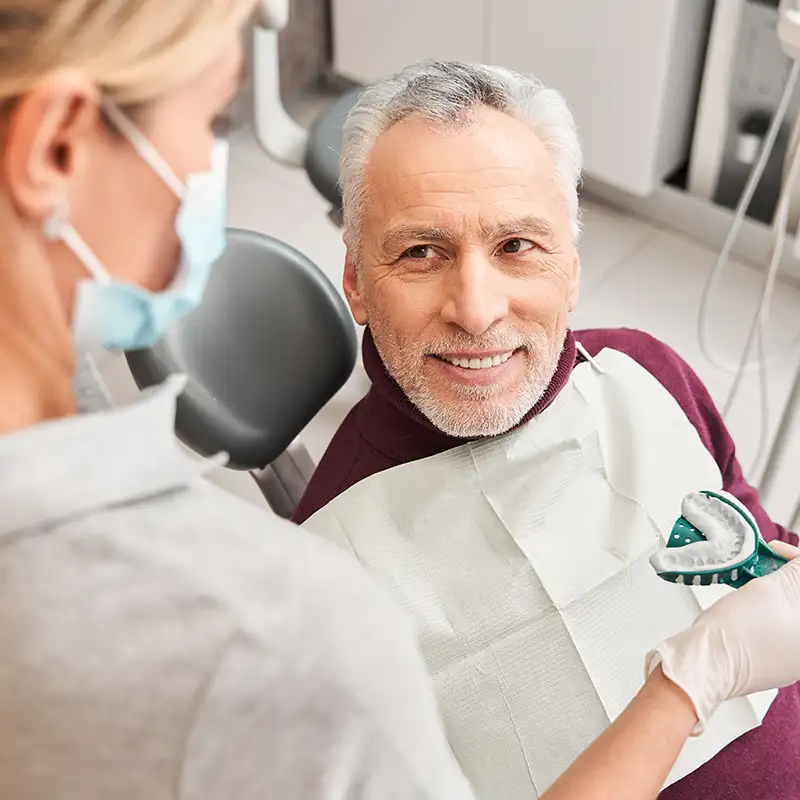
716,540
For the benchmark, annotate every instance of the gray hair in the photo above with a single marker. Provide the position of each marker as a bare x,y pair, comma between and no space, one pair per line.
447,93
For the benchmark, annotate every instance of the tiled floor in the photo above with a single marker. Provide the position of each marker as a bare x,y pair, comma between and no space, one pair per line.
633,275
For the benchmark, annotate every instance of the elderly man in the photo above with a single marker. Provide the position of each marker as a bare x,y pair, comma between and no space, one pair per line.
506,477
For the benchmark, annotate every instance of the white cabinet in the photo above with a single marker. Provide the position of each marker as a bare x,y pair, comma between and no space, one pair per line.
372,38
630,69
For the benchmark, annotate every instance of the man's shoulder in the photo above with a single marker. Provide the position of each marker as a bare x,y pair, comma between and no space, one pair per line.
349,458
657,357
635,343
675,375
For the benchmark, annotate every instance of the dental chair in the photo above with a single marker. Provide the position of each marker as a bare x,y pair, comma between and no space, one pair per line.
324,147
271,344
278,134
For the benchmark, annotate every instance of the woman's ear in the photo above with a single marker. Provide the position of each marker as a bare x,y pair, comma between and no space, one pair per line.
48,139
353,289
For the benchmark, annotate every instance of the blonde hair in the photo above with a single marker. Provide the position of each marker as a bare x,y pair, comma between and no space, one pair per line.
134,50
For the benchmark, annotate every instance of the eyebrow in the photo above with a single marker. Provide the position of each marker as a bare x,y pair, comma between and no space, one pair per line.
531,224
538,226
402,234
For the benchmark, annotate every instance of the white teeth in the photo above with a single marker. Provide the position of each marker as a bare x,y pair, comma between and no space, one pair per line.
480,363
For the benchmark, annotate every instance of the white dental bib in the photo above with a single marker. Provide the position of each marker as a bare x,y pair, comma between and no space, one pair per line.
524,560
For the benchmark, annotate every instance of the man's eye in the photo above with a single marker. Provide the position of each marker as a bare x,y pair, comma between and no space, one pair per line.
517,246
420,251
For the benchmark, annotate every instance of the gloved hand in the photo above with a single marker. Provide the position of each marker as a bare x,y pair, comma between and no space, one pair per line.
747,642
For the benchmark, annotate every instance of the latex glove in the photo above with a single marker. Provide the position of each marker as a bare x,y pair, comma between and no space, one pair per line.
747,642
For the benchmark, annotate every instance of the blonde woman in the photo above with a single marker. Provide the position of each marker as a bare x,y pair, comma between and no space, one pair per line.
159,639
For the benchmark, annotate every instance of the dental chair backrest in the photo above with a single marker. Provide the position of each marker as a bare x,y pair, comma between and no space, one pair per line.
325,146
272,342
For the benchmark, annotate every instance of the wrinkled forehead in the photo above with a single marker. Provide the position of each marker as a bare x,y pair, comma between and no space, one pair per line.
470,178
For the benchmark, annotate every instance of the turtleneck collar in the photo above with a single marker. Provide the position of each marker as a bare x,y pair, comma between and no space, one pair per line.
396,427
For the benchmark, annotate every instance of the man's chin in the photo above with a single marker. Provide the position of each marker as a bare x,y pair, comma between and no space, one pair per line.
472,419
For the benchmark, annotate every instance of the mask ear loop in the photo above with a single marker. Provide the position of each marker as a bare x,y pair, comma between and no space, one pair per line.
57,228
144,147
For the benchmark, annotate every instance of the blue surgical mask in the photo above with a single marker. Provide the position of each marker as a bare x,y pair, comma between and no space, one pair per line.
121,316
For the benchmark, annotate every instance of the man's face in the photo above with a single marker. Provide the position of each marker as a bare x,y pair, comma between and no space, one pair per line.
467,269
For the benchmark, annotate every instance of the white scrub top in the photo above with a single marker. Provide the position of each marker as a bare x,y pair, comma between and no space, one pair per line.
161,639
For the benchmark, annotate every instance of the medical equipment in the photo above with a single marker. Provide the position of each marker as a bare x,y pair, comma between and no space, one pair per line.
270,345
280,136
788,30
715,540
324,148
316,149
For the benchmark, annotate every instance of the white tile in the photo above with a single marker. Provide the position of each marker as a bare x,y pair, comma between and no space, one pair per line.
658,290
321,241
609,236
265,196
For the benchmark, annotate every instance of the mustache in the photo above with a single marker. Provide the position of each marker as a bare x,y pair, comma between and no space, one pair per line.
512,340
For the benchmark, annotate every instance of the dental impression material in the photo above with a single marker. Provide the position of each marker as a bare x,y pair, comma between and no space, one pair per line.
716,540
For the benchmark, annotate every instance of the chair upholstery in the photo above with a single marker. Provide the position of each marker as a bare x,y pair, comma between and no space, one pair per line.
272,342
324,147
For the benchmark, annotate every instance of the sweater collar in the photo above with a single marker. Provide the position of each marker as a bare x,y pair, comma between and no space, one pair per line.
395,426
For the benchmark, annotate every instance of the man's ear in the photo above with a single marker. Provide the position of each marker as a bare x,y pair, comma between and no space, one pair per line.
575,285
47,142
353,289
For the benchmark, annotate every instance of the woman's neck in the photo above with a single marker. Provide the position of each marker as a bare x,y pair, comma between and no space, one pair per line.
36,359
35,386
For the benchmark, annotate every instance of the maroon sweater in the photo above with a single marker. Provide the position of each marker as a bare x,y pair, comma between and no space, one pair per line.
385,429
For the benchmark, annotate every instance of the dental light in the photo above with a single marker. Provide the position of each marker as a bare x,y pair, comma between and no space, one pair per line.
789,36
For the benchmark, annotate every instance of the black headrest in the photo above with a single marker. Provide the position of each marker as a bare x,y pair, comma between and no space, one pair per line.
272,342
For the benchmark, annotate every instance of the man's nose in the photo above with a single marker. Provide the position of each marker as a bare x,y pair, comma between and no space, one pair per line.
476,298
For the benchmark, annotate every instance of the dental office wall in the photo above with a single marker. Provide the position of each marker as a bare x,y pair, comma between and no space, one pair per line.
636,122
305,53
305,45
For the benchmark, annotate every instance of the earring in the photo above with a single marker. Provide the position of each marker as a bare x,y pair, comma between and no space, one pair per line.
53,226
